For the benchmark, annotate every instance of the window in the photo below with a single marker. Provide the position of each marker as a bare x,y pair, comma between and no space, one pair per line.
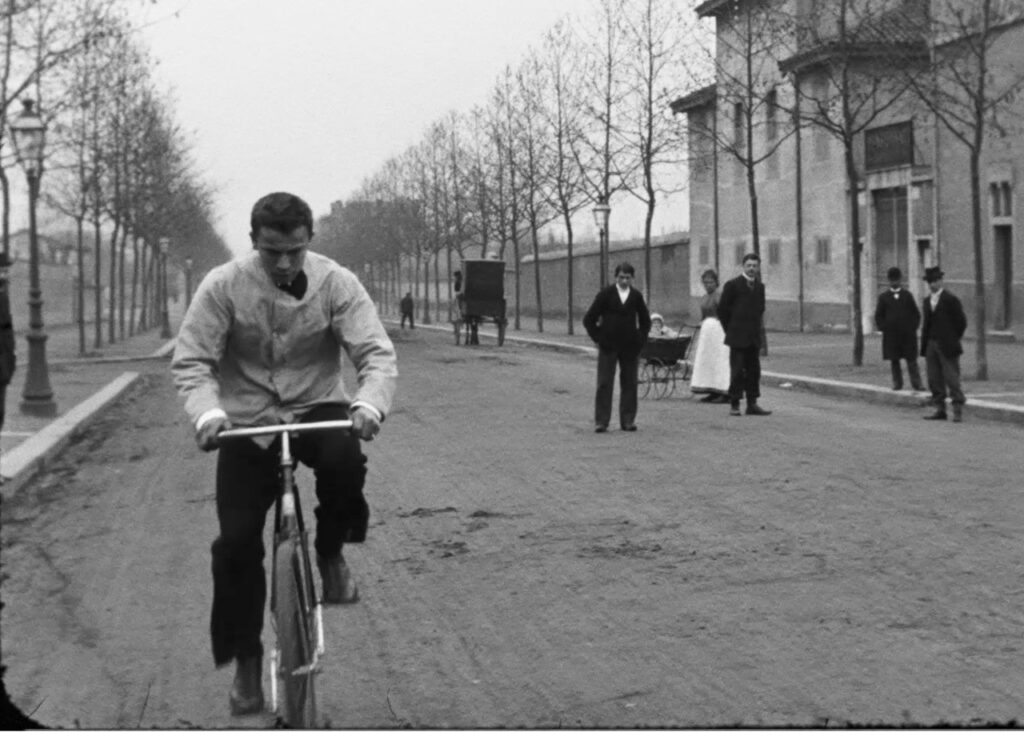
774,251
1002,199
823,250
771,120
703,254
739,250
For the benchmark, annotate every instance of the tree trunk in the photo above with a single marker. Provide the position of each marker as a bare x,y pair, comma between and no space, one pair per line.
855,248
536,273
979,269
80,279
98,277
112,299
135,285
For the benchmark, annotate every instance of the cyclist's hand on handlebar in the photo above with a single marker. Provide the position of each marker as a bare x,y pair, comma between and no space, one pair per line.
206,436
364,423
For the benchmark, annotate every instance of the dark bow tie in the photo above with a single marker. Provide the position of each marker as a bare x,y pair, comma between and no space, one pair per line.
297,287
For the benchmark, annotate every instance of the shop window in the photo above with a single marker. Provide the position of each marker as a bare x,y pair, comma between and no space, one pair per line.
774,251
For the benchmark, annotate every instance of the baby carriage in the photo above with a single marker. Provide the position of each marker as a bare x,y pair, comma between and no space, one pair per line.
665,361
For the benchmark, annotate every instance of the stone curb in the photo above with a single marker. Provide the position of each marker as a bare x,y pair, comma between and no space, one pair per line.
163,352
974,409
29,457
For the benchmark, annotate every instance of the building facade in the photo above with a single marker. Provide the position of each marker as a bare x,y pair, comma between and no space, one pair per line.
911,173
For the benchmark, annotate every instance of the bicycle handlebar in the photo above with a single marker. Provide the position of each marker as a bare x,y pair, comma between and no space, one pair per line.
273,429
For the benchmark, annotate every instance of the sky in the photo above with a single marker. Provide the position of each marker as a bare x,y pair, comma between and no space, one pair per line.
313,96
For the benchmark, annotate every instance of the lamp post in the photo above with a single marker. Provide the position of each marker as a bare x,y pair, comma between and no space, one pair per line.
165,330
188,282
601,213
29,134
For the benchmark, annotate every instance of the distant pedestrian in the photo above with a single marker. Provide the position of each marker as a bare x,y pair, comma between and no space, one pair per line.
7,357
618,322
897,317
741,312
944,326
711,359
406,308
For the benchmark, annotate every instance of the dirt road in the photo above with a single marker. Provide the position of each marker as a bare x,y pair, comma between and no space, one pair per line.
834,563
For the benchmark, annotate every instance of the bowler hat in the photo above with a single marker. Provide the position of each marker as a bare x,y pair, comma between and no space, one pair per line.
931,274
894,274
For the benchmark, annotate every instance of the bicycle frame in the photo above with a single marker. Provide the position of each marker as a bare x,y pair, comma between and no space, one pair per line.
289,526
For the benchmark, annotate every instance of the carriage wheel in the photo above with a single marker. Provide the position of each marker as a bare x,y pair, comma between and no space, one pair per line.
458,331
643,382
661,381
501,332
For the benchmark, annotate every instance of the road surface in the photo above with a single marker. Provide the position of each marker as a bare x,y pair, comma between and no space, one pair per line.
834,563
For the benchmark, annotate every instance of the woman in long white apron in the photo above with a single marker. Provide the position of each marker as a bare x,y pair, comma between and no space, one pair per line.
711,360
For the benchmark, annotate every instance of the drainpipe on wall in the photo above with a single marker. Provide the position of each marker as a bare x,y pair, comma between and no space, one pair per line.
714,175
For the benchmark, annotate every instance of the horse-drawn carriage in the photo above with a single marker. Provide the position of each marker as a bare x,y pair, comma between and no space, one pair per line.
481,299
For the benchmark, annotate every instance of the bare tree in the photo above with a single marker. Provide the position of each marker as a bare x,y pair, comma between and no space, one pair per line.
562,116
655,38
848,51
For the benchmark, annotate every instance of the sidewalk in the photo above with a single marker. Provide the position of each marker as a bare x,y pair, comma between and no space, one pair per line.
820,362
823,362
83,386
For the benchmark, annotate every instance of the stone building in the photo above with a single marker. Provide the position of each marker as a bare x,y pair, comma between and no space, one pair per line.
913,184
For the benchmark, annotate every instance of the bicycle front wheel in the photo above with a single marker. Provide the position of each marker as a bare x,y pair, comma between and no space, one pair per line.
295,638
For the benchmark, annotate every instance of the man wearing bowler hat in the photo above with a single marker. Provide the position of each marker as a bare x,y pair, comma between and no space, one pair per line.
944,326
897,318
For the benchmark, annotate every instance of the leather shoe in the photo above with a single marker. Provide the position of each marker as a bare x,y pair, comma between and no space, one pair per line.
246,695
629,428
339,586
734,410
941,415
601,428
757,411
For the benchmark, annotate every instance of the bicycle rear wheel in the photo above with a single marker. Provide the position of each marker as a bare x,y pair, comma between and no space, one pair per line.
295,638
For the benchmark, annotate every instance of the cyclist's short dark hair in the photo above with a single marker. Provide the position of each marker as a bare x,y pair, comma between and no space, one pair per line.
625,268
284,212
751,255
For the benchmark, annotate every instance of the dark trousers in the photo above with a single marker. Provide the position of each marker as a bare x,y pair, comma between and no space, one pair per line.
409,316
627,363
246,488
912,371
943,376
744,374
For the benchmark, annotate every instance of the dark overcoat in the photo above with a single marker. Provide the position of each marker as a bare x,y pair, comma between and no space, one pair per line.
945,325
897,317
615,325
741,312
7,357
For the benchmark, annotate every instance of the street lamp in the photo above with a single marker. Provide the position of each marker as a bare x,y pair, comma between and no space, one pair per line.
188,282
165,331
29,134
601,213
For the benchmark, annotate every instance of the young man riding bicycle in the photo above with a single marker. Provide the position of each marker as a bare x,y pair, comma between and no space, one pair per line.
261,344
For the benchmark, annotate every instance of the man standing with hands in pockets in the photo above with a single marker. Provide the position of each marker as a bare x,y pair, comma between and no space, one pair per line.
741,312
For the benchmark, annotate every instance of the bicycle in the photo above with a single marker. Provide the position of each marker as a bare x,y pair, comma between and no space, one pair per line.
295,606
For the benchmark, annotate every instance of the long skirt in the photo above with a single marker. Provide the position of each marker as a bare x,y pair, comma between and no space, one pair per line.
711,360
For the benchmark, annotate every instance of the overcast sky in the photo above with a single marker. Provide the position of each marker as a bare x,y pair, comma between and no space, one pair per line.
312,96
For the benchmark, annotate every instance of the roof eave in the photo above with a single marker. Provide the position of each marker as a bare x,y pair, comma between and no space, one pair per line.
695,100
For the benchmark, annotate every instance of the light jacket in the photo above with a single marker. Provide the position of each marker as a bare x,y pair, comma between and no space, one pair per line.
265,357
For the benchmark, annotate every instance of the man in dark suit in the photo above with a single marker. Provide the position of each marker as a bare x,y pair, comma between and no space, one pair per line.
944,326
897,317
618,322
741,312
